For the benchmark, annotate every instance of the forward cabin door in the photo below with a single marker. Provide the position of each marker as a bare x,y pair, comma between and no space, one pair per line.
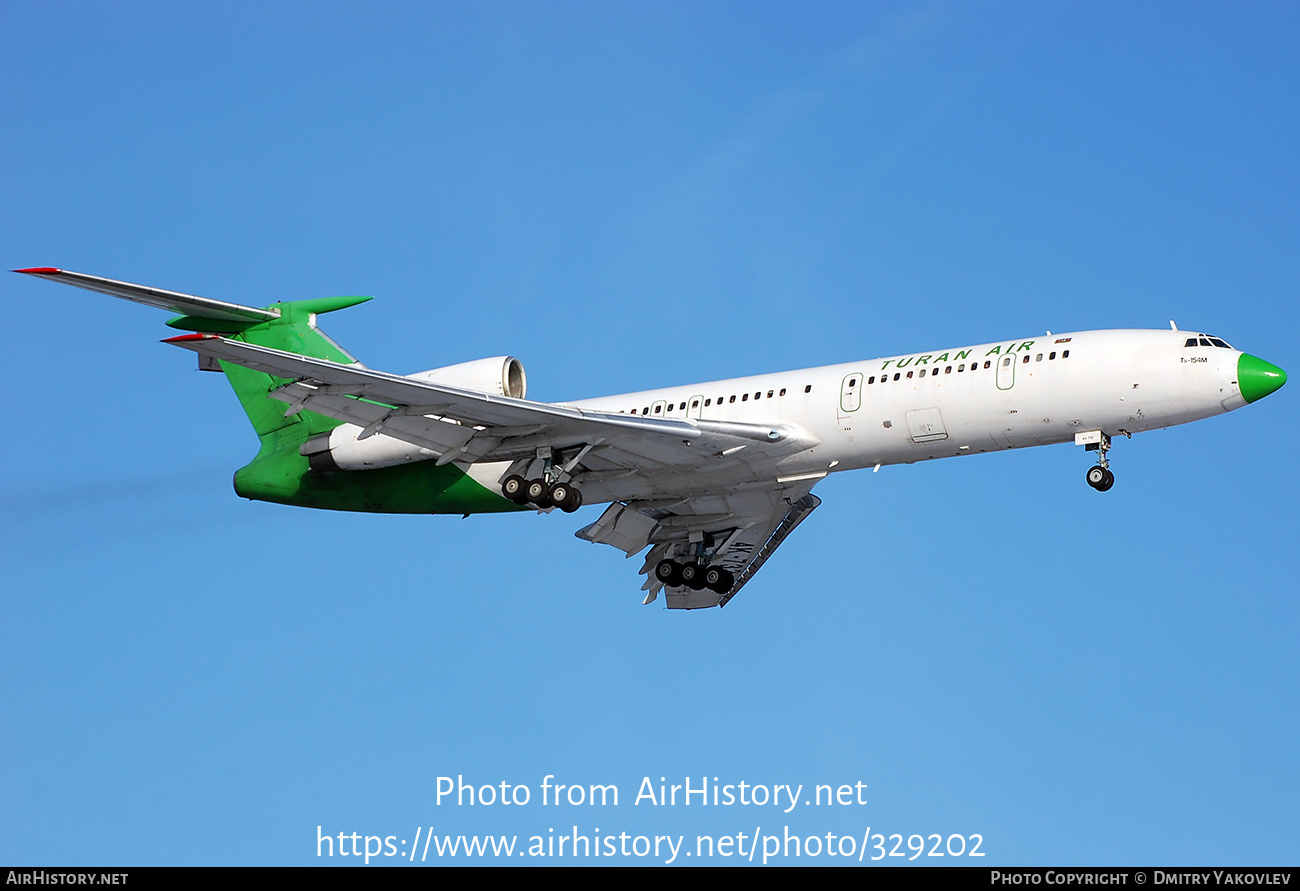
850,395
1006,372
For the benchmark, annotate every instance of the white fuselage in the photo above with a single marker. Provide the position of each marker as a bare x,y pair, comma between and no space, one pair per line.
955,401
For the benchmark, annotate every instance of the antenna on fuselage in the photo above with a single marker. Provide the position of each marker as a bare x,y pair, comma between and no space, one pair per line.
1172,325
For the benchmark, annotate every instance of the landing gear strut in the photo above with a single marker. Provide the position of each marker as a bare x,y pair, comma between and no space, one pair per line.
1099,475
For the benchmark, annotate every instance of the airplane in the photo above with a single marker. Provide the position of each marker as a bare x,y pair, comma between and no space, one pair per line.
710,477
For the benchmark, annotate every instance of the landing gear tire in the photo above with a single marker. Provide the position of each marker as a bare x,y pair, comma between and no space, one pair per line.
1100,478
513,487
693,576
565,497
718,579
559,494
669,572
538,493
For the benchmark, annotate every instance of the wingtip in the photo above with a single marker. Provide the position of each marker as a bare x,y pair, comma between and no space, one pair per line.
189,338
39,270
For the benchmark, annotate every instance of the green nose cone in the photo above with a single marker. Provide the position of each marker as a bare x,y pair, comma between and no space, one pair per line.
1258,378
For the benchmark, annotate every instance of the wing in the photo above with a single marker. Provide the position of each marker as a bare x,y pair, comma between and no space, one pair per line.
698,492
185,304
615,456
736,531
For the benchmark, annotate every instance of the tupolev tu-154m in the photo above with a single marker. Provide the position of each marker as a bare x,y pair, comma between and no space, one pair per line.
710,477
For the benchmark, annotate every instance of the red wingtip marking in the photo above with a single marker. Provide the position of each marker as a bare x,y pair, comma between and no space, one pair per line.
40,270
185,338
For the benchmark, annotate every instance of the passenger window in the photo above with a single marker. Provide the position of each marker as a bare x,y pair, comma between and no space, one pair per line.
909,375
695,403
657,407
1006,361
986,364
1038,358
769,394
744,398
1051,356
897,375
947,369
646,410
922,374
732,399
808,389
708,402
1025,361
783,391
1065,355
871,380
961,368
758,394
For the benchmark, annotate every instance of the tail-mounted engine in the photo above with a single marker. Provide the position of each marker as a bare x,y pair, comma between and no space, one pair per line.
500,375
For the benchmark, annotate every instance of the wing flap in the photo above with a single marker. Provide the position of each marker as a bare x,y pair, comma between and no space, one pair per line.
620,526
798,512
757,519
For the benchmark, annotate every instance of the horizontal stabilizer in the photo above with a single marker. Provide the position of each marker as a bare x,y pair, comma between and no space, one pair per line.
184,304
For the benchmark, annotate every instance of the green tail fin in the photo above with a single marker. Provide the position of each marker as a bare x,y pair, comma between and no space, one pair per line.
276,472
294,331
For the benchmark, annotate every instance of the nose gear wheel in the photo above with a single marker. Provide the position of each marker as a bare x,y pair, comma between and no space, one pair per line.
1100,478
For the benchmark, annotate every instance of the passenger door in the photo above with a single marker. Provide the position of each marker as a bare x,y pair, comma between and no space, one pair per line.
850,395
1006,372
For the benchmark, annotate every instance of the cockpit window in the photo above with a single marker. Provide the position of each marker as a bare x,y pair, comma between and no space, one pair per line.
1205,340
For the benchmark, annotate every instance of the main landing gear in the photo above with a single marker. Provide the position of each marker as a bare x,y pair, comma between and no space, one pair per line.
1099,475
550,489
541,493
696,576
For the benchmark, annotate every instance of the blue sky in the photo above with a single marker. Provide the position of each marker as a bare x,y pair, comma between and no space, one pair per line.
626,196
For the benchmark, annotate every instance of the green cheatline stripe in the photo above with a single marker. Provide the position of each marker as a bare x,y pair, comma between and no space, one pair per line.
1258,378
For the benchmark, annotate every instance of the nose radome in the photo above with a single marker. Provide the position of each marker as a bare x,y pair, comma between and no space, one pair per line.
1257,378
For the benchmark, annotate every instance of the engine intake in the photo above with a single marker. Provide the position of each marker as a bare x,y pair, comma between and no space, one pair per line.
502,375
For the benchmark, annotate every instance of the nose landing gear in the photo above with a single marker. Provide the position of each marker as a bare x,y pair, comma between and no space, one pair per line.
1099,475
